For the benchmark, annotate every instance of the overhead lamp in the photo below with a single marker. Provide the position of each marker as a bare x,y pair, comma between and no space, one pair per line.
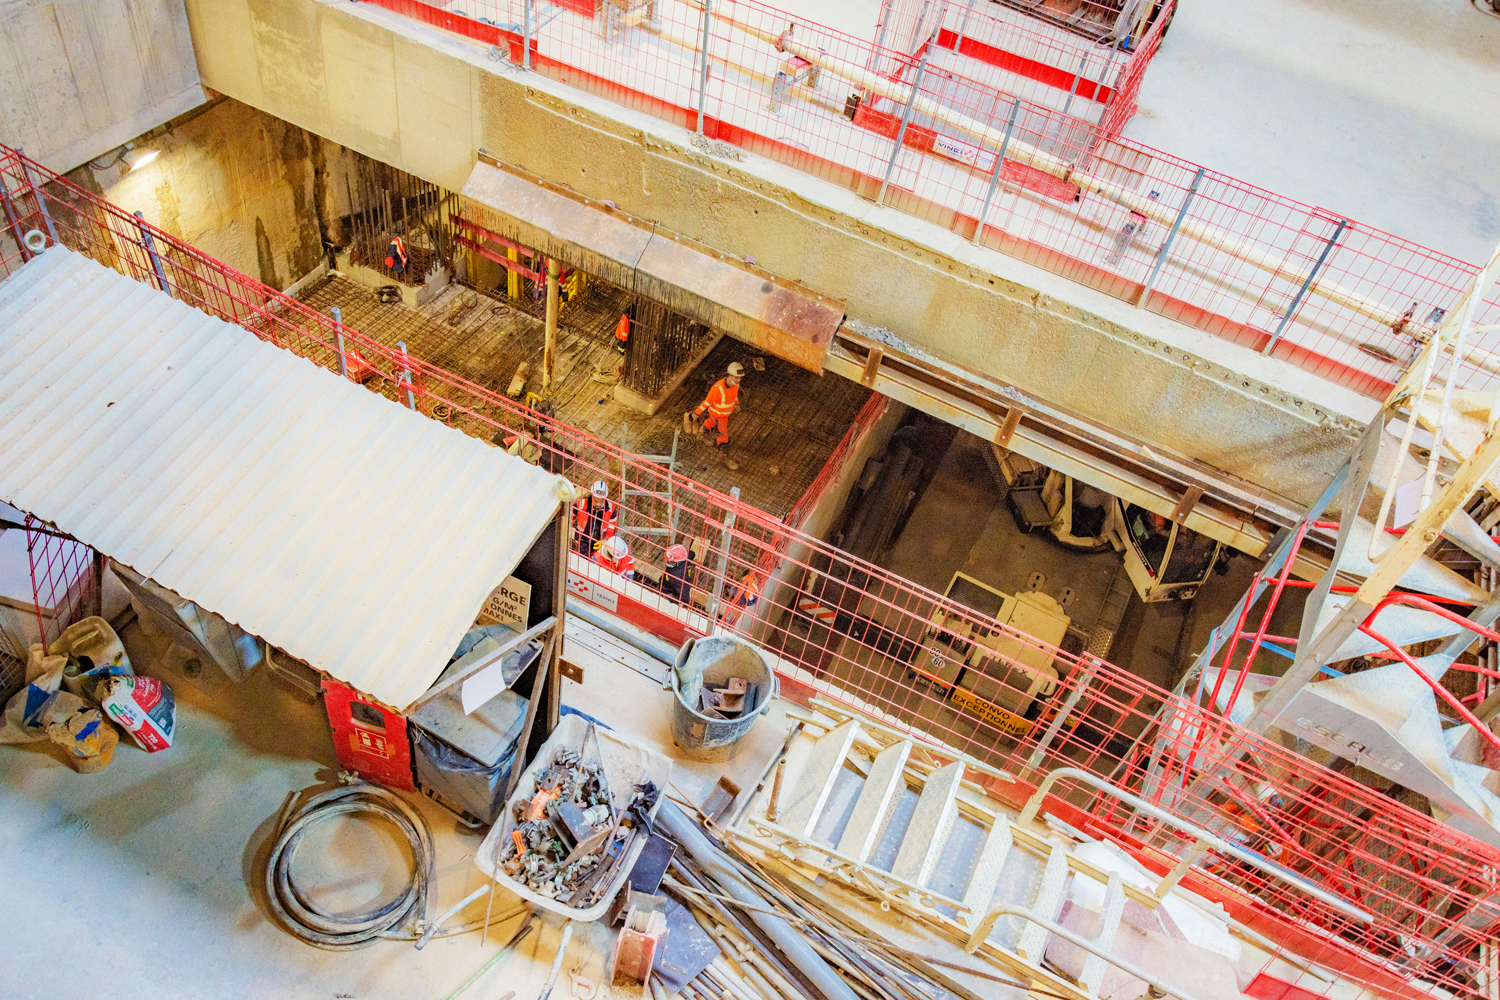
136,158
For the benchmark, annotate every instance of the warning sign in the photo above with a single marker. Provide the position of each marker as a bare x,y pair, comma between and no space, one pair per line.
507,605
990,712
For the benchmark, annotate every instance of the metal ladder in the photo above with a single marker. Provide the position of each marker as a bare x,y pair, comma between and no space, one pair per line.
1111,613
669,461
852,812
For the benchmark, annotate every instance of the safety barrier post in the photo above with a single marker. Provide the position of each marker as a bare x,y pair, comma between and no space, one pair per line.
338,339
405,377
150,245
708,6
963,25
525,34
1161,255
13,218
911,103
36,191
1312,275
989,195
724,539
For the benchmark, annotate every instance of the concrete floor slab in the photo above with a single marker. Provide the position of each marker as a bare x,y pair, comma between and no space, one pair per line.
1383,110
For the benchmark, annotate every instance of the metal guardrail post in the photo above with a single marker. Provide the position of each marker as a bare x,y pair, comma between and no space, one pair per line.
989,196
1077,76
525,34
712,607
13,218
703,70
911,102
411,399
963,25
36,191
1060,719
150,245
338,339
1312,276
1161,255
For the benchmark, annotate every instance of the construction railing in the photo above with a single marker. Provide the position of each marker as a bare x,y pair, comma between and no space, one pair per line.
874,641
936,131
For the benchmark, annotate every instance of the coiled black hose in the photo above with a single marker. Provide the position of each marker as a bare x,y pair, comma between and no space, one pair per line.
346,932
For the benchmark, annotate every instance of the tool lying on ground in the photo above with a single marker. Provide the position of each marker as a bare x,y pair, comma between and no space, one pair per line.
510,946
562,949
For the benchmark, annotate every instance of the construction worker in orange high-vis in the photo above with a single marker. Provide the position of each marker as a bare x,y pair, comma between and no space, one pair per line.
622,332
723,399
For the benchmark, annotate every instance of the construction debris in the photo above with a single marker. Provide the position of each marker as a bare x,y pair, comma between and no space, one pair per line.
570,838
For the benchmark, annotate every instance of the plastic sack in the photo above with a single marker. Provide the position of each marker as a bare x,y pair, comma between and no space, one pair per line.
24,712
143,706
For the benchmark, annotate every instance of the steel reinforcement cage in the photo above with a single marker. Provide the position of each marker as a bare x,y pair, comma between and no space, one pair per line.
1308,285
1431,889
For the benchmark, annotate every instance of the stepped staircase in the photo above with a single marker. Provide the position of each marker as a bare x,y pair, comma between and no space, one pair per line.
1430,461
910,824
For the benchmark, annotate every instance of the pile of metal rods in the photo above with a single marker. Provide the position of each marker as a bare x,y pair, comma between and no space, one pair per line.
751,967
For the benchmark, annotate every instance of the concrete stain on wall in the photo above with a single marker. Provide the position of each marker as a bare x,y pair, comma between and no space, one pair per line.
235,182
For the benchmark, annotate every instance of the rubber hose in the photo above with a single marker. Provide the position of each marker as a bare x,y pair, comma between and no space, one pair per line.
346,932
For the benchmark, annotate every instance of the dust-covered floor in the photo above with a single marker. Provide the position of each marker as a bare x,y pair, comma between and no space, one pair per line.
147,879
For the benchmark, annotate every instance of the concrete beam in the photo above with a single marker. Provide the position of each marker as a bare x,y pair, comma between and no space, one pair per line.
427,101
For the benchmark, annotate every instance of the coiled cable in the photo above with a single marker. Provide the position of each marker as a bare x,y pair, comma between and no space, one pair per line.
347,932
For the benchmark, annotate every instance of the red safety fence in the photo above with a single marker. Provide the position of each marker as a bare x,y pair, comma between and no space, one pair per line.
1305,284
65,584
868,638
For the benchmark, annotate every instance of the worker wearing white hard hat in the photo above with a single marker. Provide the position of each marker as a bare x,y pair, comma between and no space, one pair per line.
595,516
722,400
614,555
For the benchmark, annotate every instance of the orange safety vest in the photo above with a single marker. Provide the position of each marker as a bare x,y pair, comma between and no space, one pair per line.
622,329
625,564
722,399
748,593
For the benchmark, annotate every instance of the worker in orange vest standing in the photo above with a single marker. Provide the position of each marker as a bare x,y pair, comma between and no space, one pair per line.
596,517
723,399
622,332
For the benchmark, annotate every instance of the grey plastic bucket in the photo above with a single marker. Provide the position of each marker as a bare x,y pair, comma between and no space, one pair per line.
719,658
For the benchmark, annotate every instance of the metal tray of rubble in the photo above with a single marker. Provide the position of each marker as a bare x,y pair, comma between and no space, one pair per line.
625,764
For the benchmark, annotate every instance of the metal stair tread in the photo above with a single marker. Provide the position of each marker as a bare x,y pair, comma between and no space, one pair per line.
1047,904
936,810
876,801
810,793
1092,976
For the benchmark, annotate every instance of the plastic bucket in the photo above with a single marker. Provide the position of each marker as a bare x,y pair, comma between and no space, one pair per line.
718,658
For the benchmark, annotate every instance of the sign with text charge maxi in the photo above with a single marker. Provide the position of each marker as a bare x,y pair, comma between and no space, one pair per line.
507,605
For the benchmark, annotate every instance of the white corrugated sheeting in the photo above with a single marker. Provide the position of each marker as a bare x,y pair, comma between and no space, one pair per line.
339,526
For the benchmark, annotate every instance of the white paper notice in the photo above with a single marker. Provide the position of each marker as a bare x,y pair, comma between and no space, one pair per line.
483,686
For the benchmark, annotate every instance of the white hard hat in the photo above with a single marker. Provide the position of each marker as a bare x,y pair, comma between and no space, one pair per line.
599,489
616,547
736,369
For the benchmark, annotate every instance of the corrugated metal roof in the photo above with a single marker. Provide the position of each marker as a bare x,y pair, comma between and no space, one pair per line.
341,527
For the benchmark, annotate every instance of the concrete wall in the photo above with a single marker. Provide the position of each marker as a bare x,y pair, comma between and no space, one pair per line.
426,101
779,591
243,186
80,77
